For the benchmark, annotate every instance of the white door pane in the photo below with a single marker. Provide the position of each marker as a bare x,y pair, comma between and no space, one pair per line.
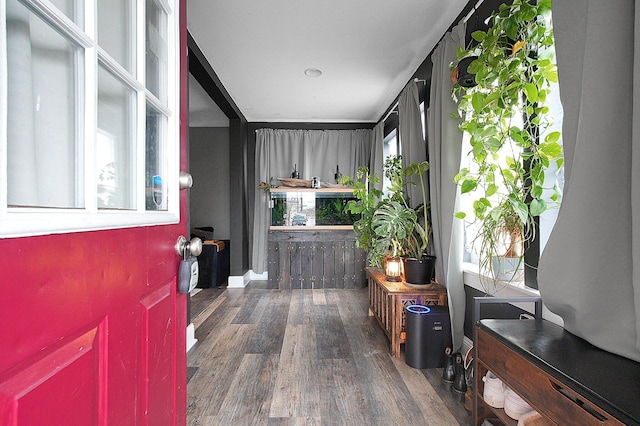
115,143
155,161
116,31
45,80
73,9
156,50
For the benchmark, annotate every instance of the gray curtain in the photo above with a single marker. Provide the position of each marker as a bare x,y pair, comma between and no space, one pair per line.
316,153
445,148
411,137
376,161
589,273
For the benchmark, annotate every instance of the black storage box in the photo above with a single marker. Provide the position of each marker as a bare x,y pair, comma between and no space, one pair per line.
213,263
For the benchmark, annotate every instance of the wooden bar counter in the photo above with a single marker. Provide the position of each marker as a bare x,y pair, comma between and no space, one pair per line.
388,299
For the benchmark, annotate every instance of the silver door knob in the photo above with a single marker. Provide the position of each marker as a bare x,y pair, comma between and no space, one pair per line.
185,180
193,247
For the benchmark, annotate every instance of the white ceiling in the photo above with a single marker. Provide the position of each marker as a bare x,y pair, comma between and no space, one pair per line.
367,51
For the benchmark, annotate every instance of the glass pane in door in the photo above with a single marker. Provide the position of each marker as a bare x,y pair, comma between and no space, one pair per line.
116,31
73,9
156,50
44,87
155,161
115,143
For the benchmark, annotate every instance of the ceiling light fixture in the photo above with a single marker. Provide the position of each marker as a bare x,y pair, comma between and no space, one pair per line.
312,72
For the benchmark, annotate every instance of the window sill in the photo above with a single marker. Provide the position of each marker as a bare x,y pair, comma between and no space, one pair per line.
471,278
35,222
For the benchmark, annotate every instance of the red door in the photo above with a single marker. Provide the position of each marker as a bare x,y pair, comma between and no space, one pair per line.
92,329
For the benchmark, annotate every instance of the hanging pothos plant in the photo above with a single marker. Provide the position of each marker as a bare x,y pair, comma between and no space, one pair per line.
507,119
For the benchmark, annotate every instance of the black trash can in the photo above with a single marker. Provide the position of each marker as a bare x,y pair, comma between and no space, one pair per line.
428,331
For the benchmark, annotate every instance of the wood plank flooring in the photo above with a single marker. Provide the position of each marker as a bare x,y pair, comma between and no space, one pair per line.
304,357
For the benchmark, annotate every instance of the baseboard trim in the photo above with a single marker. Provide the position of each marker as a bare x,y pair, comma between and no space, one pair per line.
259,277
238,281
191,336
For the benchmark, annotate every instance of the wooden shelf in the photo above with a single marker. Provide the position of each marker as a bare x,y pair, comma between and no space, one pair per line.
340,189
312,228
388,299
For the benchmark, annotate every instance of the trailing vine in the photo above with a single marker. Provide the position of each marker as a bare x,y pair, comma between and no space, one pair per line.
505,114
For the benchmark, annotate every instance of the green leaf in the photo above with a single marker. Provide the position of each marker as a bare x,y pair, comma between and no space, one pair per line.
544,6
520,208
552,137
491,190
537,207
484,201
468,185
550,73
528,12
511,27
479,35
550,150
493,144
479,153
536,191
460,215
507,175
531,90
516,134
479,208
477,101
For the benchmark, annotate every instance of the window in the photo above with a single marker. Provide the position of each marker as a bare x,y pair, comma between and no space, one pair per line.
424,126
390,147
90,103
506,160
547,219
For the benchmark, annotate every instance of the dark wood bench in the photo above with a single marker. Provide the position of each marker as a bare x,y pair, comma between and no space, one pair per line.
563,377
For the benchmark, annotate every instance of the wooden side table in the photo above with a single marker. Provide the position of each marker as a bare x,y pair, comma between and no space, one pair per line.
387,301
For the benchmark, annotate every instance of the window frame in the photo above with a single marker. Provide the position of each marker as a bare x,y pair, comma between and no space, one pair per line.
30,221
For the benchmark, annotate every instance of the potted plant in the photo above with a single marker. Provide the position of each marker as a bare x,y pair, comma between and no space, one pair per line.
418,265
364,206
501,245
507,120
389,226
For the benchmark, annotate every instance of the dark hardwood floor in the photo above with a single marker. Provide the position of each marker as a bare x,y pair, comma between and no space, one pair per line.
304,357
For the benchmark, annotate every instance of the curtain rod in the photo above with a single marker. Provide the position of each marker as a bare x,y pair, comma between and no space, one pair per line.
390,112
472,11
417,80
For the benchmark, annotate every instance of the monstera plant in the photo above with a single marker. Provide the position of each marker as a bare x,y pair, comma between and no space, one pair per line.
506,116
389,227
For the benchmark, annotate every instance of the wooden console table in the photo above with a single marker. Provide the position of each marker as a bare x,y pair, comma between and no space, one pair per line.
315,258
387,301
563,377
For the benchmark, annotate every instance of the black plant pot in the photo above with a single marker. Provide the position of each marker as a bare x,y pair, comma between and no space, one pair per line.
419,271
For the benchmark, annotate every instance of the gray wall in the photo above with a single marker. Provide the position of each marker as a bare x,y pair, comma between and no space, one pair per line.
210,196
